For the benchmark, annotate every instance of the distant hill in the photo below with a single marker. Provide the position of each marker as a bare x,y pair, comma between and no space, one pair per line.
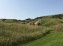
57,16
48,20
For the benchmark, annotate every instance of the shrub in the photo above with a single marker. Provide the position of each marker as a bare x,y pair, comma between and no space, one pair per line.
58,27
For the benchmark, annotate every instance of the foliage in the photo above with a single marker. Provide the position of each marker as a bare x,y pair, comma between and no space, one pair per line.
60,16
54,38
17,32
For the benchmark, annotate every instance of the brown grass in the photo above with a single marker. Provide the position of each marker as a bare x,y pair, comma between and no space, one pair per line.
58,27
12,34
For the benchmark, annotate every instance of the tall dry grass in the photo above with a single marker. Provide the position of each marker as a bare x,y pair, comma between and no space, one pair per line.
58,27
13,34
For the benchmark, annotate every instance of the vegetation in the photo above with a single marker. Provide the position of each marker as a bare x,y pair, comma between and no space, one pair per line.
52,39
18,33
12,34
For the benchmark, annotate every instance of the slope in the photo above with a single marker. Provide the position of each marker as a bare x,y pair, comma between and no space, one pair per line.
52,39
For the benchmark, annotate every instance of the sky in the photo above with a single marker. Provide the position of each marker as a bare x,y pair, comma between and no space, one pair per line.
23,9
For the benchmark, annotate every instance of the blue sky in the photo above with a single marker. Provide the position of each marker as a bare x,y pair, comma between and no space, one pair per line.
22,9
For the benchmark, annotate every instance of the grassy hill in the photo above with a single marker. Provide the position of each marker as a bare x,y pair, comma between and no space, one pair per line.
19,33
54,38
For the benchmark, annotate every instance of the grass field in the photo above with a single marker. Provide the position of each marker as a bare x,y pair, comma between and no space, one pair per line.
49,33
13,34
52,39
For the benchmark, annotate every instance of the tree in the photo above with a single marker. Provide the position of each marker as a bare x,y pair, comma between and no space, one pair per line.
3,20
28,19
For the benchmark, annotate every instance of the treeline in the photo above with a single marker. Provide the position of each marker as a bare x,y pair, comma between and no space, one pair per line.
59,16
16,21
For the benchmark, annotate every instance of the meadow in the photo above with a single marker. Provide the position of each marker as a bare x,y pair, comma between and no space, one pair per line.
48,33
13,34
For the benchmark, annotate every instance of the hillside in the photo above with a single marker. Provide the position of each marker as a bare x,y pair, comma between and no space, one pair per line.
19,33
52,39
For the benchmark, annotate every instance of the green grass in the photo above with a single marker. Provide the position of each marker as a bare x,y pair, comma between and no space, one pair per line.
18,34
52,39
